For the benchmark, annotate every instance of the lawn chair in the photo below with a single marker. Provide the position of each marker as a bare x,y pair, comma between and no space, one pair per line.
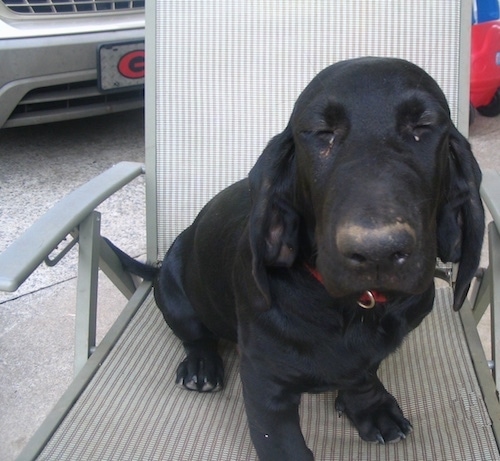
222,77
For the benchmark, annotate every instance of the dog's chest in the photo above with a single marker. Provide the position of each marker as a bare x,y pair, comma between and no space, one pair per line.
317,354
344,356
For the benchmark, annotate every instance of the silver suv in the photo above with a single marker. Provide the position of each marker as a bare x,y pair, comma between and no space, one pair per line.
65,59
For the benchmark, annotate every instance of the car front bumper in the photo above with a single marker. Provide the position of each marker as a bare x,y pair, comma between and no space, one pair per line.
49,70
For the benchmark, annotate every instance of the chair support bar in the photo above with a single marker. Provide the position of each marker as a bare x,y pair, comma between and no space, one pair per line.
21,258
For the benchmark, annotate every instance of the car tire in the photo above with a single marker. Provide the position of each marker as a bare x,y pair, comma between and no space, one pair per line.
492,109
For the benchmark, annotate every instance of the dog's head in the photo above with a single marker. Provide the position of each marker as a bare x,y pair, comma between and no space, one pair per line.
369,182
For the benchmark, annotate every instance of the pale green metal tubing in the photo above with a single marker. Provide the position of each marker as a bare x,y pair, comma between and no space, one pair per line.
20,259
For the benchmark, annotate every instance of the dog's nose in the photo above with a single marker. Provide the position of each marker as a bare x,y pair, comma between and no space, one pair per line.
385,247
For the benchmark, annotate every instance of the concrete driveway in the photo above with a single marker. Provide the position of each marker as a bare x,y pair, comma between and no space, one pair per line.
38,166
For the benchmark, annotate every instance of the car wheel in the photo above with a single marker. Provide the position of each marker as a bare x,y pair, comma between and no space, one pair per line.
493,108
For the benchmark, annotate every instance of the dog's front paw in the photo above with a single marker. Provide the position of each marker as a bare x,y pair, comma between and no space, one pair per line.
376,415
201,371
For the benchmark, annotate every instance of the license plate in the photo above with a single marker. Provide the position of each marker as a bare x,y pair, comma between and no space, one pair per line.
120,65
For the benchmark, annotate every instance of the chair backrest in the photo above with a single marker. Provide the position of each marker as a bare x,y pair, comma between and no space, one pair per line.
222,78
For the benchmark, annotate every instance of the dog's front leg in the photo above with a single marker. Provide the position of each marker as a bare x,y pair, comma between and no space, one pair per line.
273,418
374,412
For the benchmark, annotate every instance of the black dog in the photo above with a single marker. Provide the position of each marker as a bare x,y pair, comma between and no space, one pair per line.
322,261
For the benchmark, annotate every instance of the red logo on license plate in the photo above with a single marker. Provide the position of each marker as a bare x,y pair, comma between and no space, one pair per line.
131,64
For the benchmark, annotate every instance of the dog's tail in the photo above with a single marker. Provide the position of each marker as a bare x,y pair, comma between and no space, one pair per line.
145,271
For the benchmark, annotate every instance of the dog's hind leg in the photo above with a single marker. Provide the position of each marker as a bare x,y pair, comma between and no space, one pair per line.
202,370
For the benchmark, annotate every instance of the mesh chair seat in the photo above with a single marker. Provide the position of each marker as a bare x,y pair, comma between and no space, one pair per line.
132,409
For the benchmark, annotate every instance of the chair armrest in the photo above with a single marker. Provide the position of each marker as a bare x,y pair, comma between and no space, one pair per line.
490,192
21,258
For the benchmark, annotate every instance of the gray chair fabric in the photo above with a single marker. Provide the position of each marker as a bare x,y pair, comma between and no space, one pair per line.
132,409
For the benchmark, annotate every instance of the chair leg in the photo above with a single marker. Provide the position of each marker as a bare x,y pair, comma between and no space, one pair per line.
494,256
111,266
86,304
480,293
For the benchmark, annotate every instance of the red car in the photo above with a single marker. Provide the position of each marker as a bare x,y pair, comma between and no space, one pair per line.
485,64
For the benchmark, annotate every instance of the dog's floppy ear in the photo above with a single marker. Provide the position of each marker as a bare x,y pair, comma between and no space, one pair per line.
461,219
273,222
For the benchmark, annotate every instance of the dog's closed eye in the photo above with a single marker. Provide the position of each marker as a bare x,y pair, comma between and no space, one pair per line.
416,120
327,138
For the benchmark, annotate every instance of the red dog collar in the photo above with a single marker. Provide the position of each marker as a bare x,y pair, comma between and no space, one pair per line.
367,300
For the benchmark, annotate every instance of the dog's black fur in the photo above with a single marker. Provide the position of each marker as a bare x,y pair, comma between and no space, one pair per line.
368,183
